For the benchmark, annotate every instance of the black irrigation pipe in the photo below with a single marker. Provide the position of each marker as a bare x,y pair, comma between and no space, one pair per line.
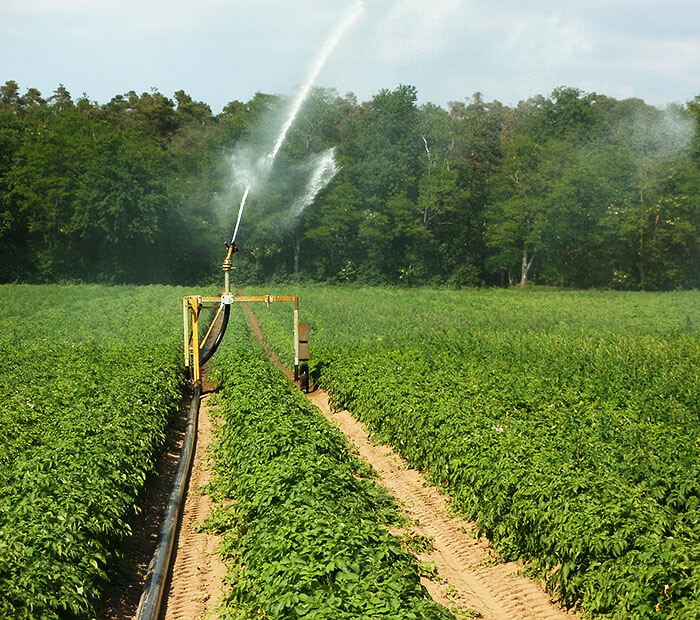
206,353
152,597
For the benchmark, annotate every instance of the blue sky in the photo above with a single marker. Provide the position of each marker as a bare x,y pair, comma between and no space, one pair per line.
221,50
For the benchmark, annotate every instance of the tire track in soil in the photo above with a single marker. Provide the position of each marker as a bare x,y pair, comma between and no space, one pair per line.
196,577
469,579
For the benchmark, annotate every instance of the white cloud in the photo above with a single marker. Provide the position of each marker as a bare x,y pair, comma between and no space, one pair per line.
546,41
412,29
219,50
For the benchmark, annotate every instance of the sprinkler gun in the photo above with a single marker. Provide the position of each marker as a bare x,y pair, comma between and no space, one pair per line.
198,351
227,266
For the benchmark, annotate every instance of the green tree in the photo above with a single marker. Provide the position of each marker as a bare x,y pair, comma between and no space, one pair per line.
644,224
333,233
516,217
43,181
13,232
119,215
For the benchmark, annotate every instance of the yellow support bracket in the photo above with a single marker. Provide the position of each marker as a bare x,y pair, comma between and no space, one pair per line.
192,306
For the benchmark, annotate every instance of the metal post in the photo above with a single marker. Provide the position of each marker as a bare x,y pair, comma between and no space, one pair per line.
186,321
296,339
227,266
195,342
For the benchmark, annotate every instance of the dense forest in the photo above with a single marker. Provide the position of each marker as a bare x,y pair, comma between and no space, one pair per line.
573,189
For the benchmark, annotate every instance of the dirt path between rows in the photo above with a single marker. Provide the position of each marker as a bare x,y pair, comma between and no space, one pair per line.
468,578
196,575
468,575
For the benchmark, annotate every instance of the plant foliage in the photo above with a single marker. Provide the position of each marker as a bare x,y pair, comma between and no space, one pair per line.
91,380
306,534
564,423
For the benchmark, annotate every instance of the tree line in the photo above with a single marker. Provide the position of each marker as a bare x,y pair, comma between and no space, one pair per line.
571,189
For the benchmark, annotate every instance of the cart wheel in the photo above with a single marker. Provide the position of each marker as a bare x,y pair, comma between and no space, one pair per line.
304,377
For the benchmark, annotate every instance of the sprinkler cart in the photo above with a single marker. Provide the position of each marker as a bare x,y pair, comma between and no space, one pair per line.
198,351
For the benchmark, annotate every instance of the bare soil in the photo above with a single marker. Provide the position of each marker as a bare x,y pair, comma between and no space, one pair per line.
196,575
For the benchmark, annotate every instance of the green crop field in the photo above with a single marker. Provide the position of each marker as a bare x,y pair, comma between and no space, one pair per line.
307,534
566,423
91,377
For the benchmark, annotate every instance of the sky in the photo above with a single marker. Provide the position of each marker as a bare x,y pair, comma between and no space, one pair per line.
218,51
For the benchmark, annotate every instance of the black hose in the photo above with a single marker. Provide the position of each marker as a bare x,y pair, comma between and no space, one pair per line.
206,353
151,599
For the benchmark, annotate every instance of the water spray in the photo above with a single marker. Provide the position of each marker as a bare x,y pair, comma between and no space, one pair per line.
322,174
197,351
321,59
240,212
266,162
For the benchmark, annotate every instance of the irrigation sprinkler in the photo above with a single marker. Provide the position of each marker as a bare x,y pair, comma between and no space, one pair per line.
197,350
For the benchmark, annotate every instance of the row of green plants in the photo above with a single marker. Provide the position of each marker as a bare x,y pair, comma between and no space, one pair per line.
92,376
305,529
565,423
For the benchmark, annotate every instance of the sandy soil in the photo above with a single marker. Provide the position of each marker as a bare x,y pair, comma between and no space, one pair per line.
196,576
468,576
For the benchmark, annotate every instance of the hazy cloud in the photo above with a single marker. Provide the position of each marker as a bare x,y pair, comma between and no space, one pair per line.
220,50
413,29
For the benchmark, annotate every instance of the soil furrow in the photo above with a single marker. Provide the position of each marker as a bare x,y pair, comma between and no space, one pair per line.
466,567
196,577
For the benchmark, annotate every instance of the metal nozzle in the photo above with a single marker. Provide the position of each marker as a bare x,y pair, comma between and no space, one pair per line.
228,265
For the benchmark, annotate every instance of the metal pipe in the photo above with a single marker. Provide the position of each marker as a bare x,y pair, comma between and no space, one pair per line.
195,342
154,588
228,265
296,339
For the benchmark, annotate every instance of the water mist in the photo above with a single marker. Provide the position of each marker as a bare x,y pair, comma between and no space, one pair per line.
324,170
258,172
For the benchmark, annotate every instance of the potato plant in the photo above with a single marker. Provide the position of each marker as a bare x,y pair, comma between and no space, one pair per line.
306,533
565,423
92,376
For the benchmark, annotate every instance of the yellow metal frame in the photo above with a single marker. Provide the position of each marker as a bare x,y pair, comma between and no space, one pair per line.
192,305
